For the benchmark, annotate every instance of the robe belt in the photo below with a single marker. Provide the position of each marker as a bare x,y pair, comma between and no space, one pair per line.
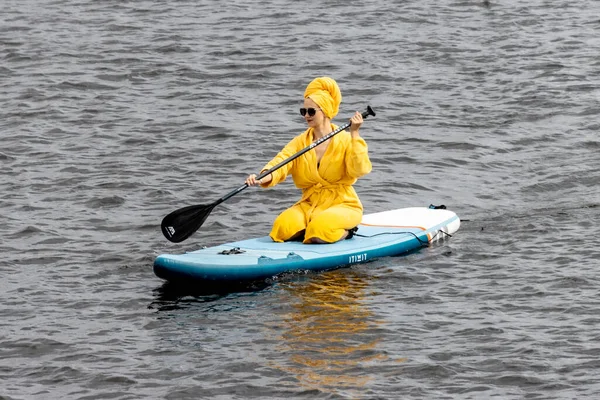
320,189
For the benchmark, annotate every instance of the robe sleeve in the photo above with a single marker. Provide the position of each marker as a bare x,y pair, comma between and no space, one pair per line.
279,176
357,158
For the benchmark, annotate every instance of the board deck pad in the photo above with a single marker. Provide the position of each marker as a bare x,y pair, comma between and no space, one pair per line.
382,234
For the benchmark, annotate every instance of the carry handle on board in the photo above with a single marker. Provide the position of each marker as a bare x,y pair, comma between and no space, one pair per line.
182,223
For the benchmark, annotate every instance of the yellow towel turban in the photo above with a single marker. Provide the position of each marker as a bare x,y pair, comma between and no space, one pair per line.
326,93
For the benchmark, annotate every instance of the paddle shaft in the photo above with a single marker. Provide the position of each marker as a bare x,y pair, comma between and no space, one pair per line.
365,114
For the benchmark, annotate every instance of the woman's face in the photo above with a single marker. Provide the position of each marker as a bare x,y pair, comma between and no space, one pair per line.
314,120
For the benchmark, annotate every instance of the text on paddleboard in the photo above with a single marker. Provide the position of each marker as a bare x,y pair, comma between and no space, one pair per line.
357,258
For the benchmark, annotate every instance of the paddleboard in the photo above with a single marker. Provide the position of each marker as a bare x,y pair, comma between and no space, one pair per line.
387,233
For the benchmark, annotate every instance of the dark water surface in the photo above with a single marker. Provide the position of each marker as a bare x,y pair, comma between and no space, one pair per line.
114,113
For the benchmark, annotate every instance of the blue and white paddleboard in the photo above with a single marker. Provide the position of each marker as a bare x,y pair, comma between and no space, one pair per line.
382,234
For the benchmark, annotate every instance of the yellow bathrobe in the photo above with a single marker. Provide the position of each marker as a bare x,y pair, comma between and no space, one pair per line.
329,205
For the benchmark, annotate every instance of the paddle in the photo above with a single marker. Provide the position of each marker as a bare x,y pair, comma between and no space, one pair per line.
182,223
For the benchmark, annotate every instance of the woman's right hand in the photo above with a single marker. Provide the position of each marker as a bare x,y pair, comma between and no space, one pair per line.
252,181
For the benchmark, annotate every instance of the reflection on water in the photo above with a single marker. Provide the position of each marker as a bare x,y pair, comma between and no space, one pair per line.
172,296
330,333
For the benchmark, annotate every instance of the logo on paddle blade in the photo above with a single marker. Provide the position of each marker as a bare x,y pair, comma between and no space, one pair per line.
171,230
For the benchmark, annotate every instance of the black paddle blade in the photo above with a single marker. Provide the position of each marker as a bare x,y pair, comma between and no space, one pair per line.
182,223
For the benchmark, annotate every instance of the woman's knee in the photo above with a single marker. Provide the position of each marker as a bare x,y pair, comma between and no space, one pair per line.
288,224
330,227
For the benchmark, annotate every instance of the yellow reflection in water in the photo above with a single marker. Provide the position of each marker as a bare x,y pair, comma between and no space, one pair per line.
330,335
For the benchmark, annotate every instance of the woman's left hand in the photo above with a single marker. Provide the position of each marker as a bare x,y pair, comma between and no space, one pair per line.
357,121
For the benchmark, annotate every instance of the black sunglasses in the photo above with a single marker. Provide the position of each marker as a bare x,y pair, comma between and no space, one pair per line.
311,111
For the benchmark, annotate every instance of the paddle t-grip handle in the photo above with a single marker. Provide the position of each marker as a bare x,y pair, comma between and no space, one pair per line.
369,111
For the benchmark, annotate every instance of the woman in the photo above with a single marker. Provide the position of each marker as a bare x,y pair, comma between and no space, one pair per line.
329,208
